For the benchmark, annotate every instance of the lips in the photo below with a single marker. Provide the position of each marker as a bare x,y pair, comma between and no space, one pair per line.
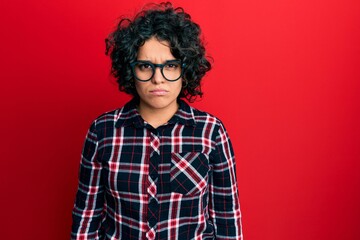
159,92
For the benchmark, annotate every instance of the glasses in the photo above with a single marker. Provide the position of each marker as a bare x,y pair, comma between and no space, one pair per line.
144,70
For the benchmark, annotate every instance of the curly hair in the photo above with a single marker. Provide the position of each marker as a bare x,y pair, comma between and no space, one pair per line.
166,23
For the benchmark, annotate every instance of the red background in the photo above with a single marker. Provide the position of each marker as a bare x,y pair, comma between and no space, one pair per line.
285,82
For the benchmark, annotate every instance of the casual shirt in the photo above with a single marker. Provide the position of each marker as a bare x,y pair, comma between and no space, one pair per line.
177,181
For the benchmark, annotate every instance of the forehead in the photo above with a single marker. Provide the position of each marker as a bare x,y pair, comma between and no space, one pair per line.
155,50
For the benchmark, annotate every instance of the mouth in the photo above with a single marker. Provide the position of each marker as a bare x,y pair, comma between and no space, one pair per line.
159,92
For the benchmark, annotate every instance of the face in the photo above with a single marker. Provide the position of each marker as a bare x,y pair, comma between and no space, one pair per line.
157,93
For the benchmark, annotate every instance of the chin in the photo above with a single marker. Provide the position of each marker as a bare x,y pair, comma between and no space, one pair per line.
160,103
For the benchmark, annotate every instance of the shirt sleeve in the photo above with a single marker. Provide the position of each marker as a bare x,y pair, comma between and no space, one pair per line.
224,206
89,201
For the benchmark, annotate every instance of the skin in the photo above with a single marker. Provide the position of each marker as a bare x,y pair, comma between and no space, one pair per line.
158,97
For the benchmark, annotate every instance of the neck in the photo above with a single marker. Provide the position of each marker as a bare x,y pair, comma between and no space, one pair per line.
157,116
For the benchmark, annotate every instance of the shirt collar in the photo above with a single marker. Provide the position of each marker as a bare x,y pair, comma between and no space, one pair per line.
129,115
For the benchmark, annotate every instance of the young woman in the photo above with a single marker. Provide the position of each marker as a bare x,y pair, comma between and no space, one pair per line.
157,168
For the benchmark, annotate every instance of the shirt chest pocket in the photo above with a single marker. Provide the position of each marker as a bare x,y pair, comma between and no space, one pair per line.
189,172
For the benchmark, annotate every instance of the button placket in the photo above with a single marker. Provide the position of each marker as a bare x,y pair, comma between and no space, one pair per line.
152,188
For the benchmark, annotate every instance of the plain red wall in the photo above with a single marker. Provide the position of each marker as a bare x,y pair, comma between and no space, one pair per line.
285,82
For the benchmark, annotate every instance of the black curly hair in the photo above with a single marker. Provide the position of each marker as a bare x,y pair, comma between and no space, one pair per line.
166,23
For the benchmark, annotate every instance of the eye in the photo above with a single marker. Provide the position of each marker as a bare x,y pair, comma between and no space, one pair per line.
144,66
172,66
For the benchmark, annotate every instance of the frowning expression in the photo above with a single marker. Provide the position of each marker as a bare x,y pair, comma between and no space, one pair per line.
157,93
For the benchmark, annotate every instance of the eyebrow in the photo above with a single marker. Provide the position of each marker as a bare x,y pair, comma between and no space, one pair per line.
172,60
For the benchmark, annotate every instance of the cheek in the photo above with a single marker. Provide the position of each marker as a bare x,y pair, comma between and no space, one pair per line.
178,86
139,88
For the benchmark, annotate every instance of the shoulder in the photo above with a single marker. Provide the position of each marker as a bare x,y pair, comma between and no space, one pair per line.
128,110
107,117
210,122
203,117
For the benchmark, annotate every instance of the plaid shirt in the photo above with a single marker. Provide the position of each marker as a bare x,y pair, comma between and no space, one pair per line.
173,182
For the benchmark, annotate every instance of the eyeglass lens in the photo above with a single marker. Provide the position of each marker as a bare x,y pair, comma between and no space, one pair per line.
144,71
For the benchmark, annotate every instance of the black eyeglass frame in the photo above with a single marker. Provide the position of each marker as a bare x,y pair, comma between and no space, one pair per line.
154,66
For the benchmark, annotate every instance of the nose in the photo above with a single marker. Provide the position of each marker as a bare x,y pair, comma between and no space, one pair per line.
158,77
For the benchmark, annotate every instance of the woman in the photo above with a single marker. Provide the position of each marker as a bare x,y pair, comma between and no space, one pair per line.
157,168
